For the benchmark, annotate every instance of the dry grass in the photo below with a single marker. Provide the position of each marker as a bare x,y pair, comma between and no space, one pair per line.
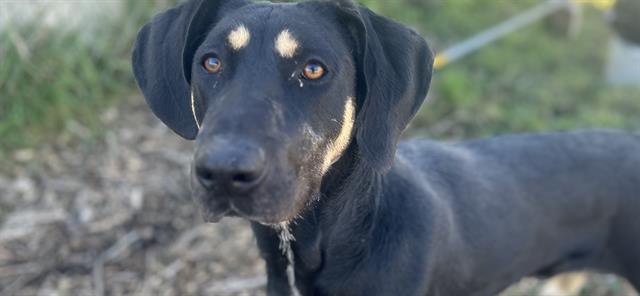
115,218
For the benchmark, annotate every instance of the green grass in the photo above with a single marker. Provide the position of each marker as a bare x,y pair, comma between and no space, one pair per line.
51,79
56,79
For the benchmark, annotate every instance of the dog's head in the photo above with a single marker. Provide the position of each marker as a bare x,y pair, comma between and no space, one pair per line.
275,93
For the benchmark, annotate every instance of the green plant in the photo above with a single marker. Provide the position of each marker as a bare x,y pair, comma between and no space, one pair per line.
529,81
51,78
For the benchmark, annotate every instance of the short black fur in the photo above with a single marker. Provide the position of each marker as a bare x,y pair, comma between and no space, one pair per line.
385,218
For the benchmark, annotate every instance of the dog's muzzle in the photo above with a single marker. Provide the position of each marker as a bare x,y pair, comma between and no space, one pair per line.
230,166
226,173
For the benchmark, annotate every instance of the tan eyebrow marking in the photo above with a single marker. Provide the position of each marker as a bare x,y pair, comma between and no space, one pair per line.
239,38
286,44
337,147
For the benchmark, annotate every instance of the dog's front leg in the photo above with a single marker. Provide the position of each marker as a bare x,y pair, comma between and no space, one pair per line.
268,243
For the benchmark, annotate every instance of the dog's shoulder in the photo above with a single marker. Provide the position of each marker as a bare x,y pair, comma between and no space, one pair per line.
422,152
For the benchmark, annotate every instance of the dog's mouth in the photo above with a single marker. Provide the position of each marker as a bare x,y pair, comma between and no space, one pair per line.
215,217
210,216
215,213
268,203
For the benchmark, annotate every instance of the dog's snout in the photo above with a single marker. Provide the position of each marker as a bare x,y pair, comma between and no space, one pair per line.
230,165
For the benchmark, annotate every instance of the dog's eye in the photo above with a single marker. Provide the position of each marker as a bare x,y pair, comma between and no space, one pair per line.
212,64
313,71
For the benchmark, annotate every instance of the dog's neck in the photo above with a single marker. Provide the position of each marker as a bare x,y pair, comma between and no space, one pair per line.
336,177
350,196
351,180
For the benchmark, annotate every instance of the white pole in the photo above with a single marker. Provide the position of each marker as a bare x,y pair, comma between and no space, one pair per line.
498,31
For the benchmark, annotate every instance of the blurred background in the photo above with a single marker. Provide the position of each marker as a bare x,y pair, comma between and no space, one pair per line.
94,196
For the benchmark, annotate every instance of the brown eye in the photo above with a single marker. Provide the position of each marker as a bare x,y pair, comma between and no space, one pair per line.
212,64
313,71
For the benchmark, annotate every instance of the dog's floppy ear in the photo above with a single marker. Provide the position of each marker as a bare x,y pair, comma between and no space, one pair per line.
394,72
163,55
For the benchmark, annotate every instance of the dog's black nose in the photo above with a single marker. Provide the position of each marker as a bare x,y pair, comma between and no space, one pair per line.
230,165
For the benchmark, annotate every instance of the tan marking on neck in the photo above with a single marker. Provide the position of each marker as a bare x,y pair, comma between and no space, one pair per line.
239,38
337,147
286,44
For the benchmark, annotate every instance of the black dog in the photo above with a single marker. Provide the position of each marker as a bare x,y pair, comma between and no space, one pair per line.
297,110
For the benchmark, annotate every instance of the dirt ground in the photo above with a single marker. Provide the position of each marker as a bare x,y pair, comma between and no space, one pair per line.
114,217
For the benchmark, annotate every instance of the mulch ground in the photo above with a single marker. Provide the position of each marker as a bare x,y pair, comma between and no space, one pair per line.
114,217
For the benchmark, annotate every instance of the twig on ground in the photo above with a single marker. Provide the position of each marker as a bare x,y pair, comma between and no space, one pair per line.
235,285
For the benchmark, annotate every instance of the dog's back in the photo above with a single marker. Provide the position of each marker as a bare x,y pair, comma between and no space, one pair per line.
578,193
